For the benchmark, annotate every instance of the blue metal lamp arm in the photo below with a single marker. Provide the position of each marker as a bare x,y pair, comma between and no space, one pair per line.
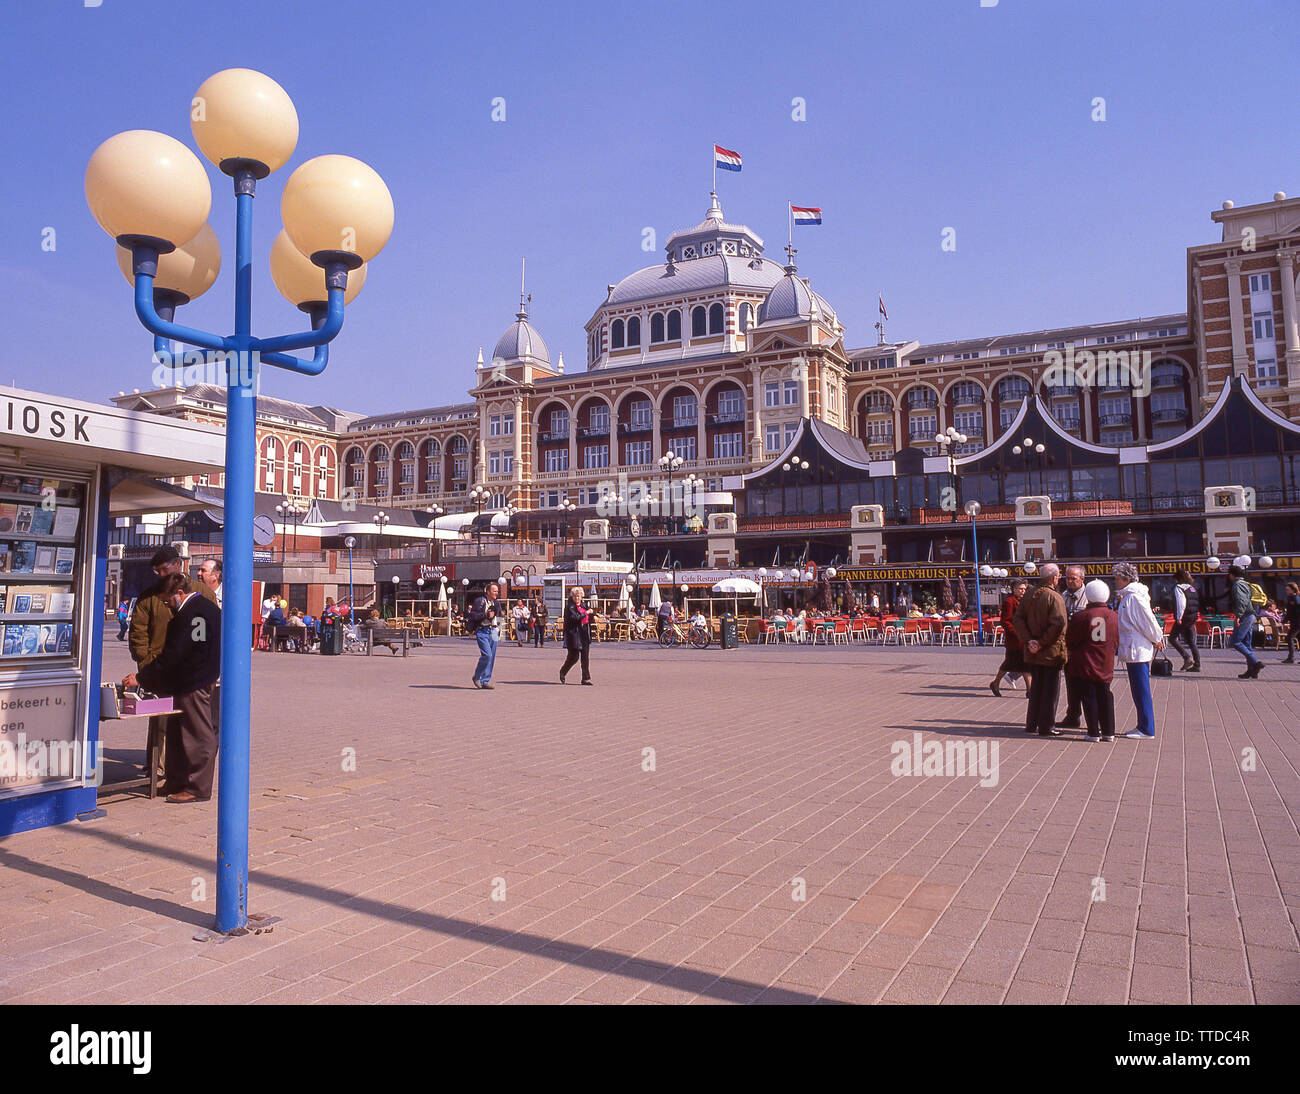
318,337
161,328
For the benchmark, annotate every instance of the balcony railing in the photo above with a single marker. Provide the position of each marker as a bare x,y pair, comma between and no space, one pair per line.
1169,414
727,417
593,431
1013,395
626,429
553,436
1167,379
674,424
879,408
968,400
1123,417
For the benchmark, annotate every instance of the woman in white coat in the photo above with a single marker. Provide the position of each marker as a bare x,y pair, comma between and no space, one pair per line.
1140,636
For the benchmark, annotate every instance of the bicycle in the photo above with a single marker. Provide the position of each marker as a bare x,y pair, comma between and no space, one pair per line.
681,633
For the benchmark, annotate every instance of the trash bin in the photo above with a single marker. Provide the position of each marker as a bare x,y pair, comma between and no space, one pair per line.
331,635
729,639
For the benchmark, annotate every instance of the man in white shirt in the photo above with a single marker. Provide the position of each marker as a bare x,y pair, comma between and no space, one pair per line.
210,575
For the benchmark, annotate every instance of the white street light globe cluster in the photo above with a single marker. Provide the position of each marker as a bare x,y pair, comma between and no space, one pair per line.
950,436
994,571
147,187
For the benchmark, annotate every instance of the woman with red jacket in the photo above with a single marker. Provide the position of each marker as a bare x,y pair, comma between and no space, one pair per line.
1013,664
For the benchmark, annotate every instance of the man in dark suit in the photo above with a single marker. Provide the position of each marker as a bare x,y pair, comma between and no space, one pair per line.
186,669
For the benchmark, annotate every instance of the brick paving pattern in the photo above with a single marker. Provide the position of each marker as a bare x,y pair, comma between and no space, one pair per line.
770,855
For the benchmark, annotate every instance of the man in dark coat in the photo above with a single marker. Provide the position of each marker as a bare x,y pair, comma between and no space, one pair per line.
1075,601
186,669
1040,626
539,617
577,634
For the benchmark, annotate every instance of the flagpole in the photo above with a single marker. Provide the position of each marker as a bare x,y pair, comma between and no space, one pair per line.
714,153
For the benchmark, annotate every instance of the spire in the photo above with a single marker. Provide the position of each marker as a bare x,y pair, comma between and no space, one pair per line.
524,298
480,357
790,251
561,361
715,210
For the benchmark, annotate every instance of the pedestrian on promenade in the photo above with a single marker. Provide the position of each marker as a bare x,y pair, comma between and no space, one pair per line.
1243,634
210,575
481,621
538,618
1040,625
577,635
123,619
1075,601
1292,620
1187,610
186,669
1091,641
1013,663
1140,636
521,615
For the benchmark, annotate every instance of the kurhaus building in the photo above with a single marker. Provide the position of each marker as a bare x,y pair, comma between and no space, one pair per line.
726,360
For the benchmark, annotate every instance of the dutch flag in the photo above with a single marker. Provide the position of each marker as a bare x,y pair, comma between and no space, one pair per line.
806,214
725,158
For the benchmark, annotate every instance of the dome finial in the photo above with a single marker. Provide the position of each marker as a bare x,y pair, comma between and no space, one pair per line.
790,251
715,210
524,298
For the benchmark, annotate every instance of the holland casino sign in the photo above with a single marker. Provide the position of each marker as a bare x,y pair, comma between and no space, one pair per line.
35,421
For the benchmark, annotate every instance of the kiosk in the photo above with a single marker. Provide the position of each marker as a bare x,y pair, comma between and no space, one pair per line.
67,468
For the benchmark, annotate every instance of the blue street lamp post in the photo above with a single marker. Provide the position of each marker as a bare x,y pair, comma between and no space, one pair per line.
151,194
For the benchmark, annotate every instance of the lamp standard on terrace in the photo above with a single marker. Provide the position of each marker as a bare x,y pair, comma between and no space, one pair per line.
668,463
290,507
973,511
151,194
1034,453
349,543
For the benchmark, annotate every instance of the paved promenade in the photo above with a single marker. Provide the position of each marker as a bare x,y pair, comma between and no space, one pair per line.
715,827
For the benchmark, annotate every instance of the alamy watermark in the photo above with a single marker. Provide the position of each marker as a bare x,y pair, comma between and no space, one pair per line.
947,759
1129,368
218,368
650,498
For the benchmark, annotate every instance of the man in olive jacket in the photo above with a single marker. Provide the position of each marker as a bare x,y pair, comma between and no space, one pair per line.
149,621
1040,625
152,612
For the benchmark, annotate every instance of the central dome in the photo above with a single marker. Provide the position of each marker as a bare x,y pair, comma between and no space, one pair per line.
521,342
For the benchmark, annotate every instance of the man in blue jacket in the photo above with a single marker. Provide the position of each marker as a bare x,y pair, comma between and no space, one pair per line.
1243,634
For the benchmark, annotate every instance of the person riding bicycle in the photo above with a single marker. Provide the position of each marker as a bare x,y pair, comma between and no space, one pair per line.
666,615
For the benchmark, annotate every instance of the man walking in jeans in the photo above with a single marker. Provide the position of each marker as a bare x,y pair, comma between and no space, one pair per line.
1040,625
481,619
1243,634
1187,608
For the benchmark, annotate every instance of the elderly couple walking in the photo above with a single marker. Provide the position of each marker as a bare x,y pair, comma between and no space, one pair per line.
1090,638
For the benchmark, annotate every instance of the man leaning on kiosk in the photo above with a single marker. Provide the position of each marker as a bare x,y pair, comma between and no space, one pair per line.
148,631
186,669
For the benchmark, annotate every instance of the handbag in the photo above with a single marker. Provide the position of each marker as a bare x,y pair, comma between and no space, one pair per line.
1162,666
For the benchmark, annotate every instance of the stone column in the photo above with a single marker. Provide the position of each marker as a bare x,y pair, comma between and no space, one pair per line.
805,399
656,440
519,445
1240,361
756,445
481,474
1286,264
573,442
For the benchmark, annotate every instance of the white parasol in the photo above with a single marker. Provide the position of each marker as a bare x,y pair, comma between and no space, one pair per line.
738,586
655,599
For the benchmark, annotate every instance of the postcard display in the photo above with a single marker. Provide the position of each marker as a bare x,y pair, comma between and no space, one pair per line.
47,579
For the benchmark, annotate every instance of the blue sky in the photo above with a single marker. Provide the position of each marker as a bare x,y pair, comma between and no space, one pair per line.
920,116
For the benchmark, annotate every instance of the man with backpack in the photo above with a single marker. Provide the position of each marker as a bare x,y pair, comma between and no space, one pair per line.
1187,609
1242,599
480,621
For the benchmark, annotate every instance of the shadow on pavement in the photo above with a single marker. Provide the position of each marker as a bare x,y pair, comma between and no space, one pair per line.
588,957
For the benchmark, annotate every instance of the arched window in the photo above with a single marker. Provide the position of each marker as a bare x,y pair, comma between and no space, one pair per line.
967,393
674,326
405,451
745,314
1013,389
656,327
616,334
699,322
715,319
356,464
634,331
